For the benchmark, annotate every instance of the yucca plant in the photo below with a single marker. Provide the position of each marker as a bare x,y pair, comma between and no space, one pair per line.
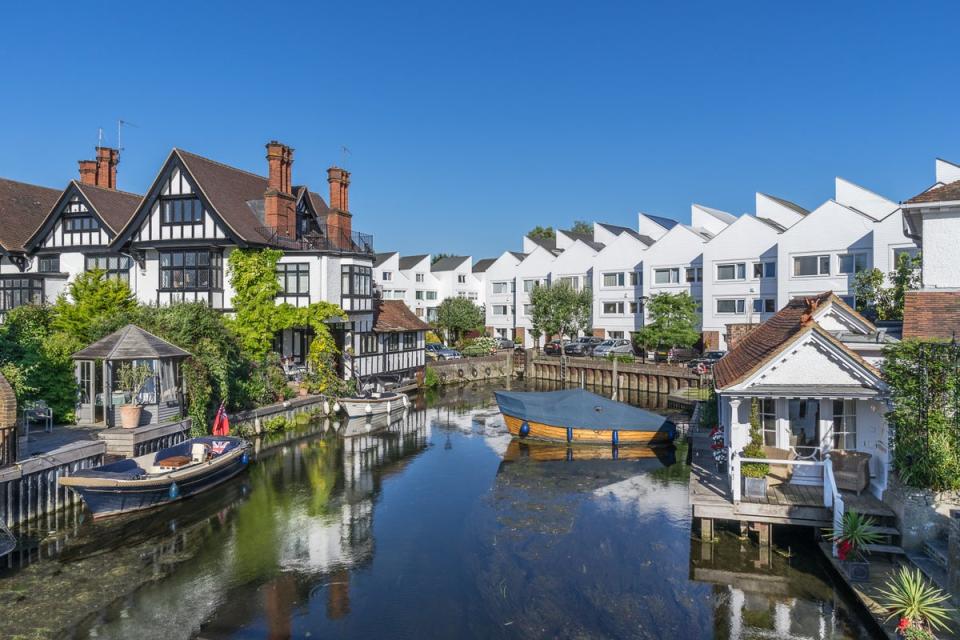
916,603
856,532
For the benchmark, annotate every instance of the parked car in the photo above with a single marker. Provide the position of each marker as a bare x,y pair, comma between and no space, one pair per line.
714,355
554,347
504,343
616,345
439,351
701,364
675,354
582,346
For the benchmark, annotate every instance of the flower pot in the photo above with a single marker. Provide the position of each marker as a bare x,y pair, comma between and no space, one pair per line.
755,487
857,570
130,416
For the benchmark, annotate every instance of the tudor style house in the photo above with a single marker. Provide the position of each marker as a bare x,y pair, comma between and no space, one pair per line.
814,388
173,244
394,351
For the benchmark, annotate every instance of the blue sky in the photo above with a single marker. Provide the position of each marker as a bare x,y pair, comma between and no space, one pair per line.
468,125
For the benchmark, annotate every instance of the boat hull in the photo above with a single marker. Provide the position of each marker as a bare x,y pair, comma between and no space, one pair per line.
122,498
361,407
552,433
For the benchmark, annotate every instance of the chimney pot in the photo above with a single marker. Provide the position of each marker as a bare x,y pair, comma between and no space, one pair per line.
107,161
339,224
279,206
88,172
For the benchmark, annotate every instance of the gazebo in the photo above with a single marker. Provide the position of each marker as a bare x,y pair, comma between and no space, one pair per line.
162,396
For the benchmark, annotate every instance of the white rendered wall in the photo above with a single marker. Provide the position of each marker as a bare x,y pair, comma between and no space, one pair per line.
941,242
622,255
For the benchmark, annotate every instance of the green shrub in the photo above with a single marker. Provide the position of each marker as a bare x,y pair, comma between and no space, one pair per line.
755,448
480,346
275,424
624,358
430,378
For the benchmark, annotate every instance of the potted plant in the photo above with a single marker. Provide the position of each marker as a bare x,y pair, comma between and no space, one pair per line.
130,379
856,532
754,473
916,604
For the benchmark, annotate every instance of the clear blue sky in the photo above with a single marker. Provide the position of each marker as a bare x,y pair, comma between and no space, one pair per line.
469,126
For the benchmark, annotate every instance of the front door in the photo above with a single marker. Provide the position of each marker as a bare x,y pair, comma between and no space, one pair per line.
89,381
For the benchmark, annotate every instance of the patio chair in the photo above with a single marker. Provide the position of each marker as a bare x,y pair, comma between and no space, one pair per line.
37,411
851,470
779,473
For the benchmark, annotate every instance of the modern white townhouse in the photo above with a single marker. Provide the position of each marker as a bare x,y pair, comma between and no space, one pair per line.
534,269
456,279
501,295
173,243
617,282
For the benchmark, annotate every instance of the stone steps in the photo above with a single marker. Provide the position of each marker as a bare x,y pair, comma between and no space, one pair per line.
937,551
892,549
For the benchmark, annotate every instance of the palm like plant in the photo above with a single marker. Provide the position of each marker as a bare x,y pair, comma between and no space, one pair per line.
917,604
857,531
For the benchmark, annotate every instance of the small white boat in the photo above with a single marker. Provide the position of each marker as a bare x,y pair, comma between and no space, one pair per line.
371,404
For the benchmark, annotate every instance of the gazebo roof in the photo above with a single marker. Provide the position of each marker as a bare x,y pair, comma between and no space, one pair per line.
130,343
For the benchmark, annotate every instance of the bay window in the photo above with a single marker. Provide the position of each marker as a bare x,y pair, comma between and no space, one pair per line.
191,270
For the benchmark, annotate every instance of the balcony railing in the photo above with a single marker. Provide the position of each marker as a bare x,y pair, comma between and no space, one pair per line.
321,238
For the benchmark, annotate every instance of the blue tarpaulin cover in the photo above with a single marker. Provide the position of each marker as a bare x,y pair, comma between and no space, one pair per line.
580,409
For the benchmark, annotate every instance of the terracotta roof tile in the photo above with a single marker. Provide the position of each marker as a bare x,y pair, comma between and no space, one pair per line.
944,193
23,208
931,314
395,315
114,207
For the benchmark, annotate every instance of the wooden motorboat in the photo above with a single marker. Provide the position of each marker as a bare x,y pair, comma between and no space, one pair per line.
370,404
159,478
580,417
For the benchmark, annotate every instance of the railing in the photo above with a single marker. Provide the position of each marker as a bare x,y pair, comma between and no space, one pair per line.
736,461
832,497
321,238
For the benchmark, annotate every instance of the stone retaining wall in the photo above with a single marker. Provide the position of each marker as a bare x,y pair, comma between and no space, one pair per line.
499,365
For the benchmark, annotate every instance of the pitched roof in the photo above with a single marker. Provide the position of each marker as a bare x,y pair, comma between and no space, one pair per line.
617,229
115,208
130,343
773,223
789,205
395,315
380,258
23,208
931,314
666,223
647,240
316,201
576,235
409,262
519,255
547,243
944,193
481,266
448,263
763,343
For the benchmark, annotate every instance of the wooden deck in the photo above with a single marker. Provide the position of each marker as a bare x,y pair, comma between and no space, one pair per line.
787,503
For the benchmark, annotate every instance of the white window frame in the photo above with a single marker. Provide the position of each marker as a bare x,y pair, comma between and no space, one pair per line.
820,262
497,307
503,284
768,420
763,305
854,255
767,268
419,277
740,306
844,430
618,308
673,272
739,271
618,277
386,276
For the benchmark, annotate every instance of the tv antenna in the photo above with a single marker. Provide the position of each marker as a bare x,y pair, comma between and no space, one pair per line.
120,125
344,153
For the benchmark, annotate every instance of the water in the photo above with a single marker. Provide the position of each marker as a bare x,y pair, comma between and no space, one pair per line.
439,527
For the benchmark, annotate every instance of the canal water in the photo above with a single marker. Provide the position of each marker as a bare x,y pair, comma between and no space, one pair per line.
438,526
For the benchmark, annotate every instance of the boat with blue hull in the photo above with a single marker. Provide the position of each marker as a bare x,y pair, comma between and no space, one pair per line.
160,478
577,416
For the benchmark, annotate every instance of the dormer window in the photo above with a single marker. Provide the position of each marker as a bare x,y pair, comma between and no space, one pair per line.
78,219
181,210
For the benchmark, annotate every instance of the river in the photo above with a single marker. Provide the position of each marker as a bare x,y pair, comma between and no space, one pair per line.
440,526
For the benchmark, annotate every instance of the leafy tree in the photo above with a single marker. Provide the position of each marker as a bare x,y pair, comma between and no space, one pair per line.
542,233
880,302
582,226
459,315
559,310
673,322
94,306
437,257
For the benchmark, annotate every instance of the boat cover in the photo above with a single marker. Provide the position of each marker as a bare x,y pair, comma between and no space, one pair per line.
580,409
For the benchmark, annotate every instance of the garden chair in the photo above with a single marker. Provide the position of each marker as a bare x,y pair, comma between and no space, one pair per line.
37,411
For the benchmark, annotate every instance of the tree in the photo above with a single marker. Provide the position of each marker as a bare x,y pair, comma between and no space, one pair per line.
582,226
880,302
457,316
673,322
559,310
96,306
542,233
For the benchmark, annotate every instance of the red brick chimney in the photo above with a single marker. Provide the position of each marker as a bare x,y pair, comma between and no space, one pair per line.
339,224
101,172
279,203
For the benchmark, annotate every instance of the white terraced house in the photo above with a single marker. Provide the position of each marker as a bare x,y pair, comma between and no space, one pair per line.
173,244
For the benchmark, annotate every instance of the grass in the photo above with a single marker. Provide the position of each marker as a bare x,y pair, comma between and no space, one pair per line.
694,393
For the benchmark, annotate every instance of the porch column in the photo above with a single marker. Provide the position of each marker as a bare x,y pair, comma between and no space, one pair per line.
733,463
737,438
825,426
783,422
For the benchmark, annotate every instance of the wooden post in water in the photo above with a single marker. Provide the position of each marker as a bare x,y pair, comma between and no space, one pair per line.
615,380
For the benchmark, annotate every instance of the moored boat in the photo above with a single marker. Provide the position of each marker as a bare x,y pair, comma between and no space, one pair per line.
159,478
545,451
580,417
374,403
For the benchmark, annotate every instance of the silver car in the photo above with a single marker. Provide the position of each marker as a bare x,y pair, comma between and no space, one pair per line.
615,345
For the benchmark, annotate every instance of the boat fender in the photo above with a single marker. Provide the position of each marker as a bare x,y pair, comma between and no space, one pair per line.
616,452
406,400
569,455
459,373
616,437
473,372
174,491
336,407
325,408
569,434
368,408
524,429
487,371
245,458
389,408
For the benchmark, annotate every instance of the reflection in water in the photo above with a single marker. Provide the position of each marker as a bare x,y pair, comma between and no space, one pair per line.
436,525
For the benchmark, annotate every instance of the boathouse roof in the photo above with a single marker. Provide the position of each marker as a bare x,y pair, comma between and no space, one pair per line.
395,315
130,343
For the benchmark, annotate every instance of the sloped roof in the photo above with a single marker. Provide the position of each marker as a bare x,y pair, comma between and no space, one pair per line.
617,229
772,223
931,314
316,201
394,315
547,243
666,223
949,192
482,265
448,263
766,341
409,262
23,208
380,258
576,235
519,255
789,205
115,208
130,343
722,216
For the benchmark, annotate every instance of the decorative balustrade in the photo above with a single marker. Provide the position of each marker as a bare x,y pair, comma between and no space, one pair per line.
321,238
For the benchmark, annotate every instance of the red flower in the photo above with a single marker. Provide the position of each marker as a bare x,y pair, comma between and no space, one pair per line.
844,549
903,625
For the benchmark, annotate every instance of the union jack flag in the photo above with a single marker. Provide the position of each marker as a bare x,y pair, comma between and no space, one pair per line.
219,446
